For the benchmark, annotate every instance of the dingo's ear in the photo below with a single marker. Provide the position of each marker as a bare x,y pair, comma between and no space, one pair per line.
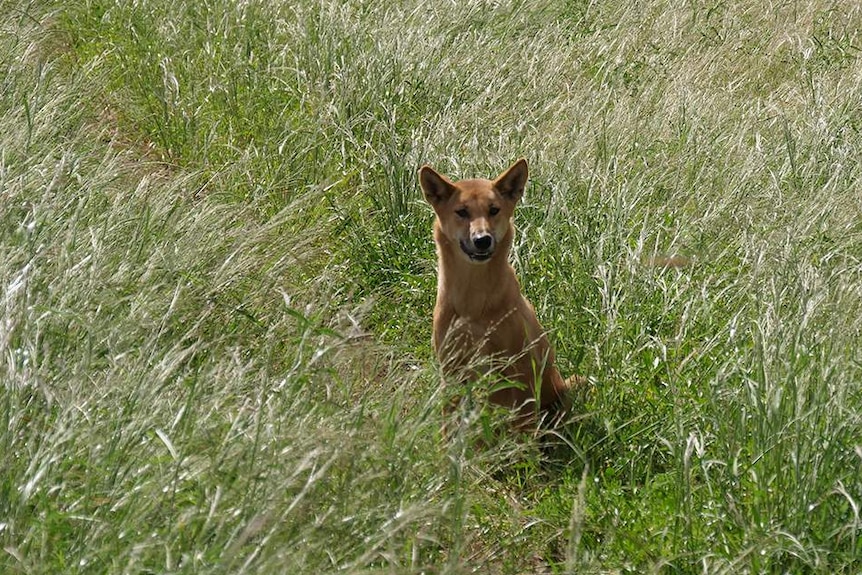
437,188
511,183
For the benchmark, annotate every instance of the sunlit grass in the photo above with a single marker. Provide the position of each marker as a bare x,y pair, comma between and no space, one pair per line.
217,278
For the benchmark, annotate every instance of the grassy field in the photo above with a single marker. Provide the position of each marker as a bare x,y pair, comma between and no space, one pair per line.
217,278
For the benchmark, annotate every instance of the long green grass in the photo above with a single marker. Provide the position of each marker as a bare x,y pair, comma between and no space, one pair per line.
217,280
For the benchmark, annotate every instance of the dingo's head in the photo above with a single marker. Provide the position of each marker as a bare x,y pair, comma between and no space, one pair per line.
477,214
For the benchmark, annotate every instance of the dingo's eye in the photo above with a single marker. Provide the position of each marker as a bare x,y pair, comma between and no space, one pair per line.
494,210
463,213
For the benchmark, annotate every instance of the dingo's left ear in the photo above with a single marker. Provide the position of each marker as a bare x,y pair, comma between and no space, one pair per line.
511,183
437,188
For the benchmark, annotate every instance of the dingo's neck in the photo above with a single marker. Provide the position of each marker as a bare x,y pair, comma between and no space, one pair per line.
474,289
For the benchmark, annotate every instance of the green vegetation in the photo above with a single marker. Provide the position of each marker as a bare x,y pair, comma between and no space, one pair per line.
217,278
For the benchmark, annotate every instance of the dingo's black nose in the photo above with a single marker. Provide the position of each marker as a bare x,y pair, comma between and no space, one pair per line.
483,243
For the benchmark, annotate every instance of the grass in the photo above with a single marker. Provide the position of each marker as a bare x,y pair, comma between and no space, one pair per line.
217,279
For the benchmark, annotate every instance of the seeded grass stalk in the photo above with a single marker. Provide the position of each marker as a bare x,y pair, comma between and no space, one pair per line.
218,277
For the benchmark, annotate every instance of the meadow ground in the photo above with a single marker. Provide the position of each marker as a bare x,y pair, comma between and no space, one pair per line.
217,278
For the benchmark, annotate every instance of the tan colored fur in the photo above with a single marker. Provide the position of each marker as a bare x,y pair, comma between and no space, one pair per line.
480,311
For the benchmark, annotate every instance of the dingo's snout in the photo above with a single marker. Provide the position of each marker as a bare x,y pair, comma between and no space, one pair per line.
483,242
480,247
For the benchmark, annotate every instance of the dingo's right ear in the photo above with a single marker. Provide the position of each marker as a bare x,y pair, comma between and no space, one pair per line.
436,187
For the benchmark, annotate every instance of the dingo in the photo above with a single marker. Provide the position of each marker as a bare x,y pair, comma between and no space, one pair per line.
480,312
